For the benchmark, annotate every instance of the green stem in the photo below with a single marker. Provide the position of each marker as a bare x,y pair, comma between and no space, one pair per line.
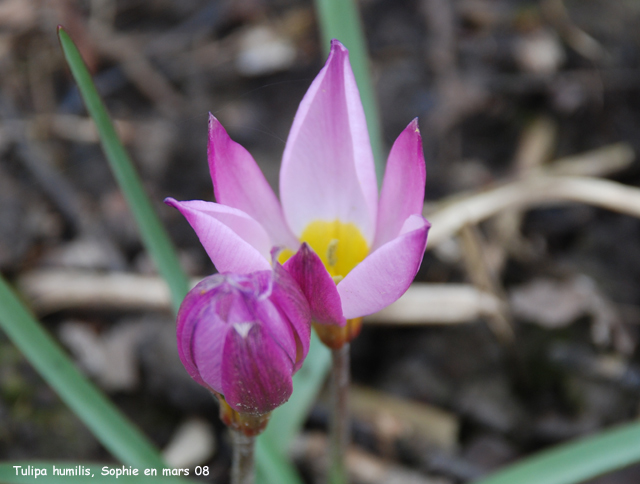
242,466
118,435
340,422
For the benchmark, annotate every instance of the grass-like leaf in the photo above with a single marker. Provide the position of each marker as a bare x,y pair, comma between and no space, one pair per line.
111,428
272,467
339,19
287,420
576,462
152,232
270,461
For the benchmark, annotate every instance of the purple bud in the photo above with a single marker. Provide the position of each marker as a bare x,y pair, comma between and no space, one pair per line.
244,336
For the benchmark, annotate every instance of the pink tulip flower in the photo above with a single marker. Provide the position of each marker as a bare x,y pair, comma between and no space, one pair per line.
362,250
244,336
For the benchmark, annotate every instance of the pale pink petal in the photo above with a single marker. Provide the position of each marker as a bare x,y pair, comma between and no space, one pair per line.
256,373
233,240
383,276
317,285
402,191
327,167
208,339
239,183
198,324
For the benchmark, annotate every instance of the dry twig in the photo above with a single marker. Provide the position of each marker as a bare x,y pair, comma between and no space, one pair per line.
536,191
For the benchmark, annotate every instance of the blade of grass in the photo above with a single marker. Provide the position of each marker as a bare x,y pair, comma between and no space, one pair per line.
118,435
272,467
8,474
269,464
287,420
576,462
339,19
152,232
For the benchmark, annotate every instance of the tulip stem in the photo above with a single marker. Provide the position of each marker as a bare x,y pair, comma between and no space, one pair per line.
340,422
242,466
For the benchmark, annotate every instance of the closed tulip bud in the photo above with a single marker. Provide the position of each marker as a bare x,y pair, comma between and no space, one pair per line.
243,337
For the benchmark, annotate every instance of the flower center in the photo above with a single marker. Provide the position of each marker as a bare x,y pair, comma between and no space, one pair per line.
339,245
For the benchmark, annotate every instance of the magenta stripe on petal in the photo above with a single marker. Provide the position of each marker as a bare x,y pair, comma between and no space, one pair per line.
327,167
402,191
239,183
383,276
256,374
233,240
317,285
264,308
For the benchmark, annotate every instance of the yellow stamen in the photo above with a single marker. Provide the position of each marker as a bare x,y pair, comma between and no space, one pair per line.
339,245
332,258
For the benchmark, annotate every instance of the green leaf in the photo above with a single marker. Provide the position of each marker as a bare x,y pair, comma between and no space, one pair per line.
576,462
270,460
111,428
10,475
272,467
152,232
287,420
339,19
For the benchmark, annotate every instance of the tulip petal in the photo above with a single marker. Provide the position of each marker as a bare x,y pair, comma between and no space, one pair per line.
317,285
385,274
256,373
208,339
327,167
274,321
402,191
292,301
233,240
239,183
197,323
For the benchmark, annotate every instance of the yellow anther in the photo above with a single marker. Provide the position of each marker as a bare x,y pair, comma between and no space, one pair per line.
341,246
332,253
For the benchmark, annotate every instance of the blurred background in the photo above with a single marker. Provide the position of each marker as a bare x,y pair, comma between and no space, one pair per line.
531,340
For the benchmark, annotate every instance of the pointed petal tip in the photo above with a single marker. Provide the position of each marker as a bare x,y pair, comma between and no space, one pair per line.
305,248
337,49
316,284
414,127
403,185
172,202
336,44
214,124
